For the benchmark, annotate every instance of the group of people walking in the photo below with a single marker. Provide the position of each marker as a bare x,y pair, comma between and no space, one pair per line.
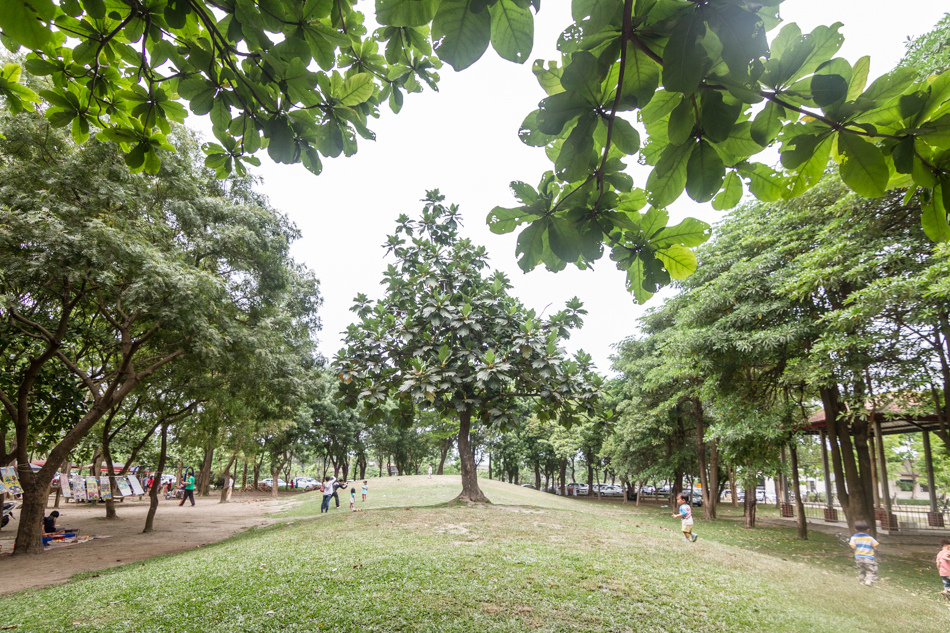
331,485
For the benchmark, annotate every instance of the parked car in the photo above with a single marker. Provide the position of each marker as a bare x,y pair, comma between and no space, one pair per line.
663,491
762,497
270,482
648,490
528,486
305,482
696,497
610,490
577,489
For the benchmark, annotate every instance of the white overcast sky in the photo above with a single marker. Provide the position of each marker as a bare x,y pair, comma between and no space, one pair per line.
463,141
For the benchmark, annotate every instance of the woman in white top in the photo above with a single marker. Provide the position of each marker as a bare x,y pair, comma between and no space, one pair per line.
327,493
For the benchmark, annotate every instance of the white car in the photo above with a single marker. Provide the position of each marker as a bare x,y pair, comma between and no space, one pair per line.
609,490
577,489
270,482
305,482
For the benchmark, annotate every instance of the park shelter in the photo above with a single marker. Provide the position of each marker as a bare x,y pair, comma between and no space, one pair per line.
892,419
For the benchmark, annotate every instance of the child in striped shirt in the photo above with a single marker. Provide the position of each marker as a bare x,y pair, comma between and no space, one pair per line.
864,546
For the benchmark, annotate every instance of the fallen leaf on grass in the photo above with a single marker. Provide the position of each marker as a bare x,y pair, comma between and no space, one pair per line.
356,566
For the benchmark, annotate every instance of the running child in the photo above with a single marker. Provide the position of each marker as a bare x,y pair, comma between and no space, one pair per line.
353,498
686,514
365,489
864,546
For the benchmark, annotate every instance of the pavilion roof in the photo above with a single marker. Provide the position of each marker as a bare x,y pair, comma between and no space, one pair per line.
896,416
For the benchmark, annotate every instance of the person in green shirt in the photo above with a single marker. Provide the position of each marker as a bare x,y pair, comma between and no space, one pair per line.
189,490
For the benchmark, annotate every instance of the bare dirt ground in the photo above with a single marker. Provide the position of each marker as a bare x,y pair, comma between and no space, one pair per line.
177,529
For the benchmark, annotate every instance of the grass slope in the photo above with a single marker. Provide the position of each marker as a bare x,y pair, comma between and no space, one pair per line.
415,561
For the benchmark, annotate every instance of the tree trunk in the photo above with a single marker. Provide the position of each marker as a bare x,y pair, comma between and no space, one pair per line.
156,486
30,531
257,471
750,502
713,479
732,488
676,487
852,492
537,475
470,490
590,474
204,477
708,473
800,521
110,468
830,400
865,468
275,476
226,489
446,446
244,477
564,477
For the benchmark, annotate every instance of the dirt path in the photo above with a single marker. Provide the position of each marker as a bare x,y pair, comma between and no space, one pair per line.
177,529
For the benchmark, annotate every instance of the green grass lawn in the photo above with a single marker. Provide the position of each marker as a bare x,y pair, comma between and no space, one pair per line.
415,561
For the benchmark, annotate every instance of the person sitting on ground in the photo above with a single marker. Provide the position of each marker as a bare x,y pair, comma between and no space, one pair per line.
49,524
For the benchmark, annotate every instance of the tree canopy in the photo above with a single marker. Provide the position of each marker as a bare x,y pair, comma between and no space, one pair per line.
109,278
448,336
709,82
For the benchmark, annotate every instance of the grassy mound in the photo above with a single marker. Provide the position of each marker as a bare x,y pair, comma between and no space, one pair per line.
413,561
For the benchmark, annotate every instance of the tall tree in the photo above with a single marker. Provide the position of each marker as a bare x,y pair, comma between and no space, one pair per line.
449,337
109,277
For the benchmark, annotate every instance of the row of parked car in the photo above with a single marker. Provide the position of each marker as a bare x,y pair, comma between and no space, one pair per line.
761,495
582,490
301,483
613,490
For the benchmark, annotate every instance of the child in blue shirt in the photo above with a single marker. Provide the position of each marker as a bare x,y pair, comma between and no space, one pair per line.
686,514
864,546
